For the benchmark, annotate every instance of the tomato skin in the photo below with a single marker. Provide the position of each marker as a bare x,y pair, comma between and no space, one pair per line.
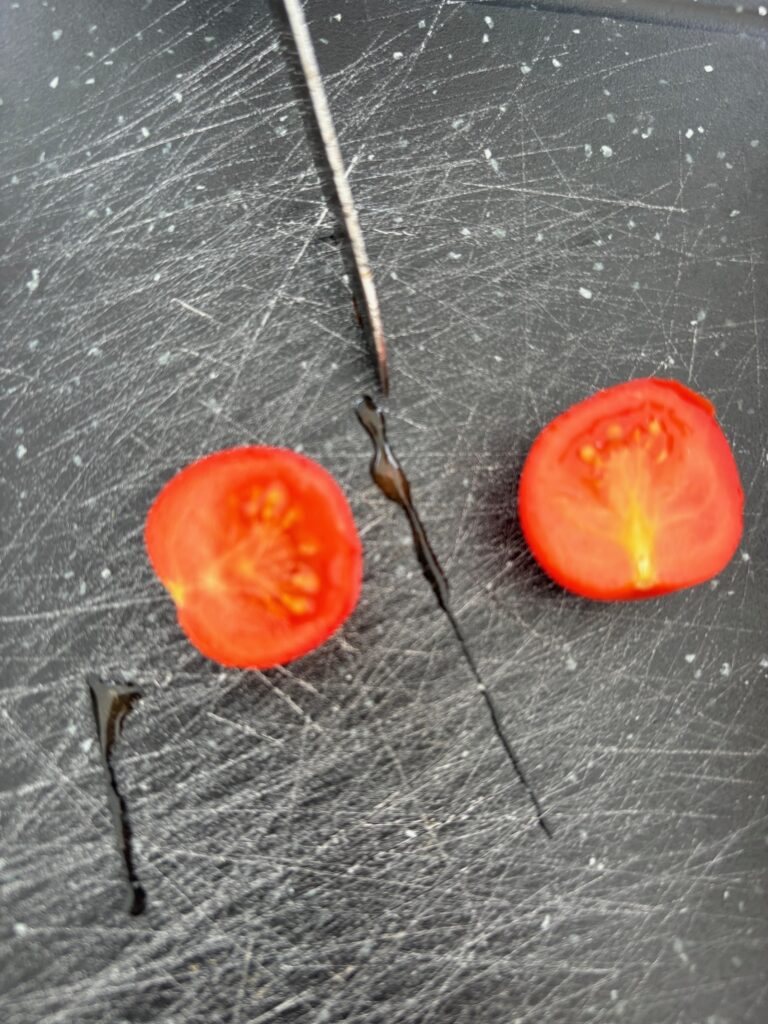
258,548
632,493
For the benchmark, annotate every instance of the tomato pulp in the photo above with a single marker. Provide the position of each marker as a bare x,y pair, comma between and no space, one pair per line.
631,493
258,549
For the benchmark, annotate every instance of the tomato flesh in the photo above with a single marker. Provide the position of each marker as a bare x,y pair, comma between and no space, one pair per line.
632,493
258,549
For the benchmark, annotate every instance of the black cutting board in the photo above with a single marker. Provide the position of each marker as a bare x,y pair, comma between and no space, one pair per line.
552,203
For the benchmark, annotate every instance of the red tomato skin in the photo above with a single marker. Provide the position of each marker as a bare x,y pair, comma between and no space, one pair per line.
699,413
220,625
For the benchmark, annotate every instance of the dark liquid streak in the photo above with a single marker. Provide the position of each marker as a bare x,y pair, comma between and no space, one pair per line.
391,480
112,703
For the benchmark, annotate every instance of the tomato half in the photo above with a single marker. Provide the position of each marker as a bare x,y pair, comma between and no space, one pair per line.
258,548
631,493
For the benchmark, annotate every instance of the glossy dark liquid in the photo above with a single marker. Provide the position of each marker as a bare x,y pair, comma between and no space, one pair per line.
391,480
112,703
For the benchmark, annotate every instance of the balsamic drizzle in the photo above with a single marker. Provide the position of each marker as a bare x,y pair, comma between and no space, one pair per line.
112,703
389,477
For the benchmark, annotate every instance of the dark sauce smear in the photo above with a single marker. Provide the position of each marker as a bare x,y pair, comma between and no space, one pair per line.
391,480
112,703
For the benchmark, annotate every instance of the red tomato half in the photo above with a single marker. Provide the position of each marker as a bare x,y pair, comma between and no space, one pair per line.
258,548
632,492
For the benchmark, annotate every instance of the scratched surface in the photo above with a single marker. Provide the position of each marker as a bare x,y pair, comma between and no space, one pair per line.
552,203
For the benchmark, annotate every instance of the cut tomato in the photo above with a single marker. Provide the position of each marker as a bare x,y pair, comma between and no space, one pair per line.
258,548
631,493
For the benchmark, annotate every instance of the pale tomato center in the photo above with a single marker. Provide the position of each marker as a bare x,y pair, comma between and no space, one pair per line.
268,557
623,463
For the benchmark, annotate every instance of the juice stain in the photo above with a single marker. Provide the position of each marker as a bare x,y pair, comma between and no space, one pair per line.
389,477
112,703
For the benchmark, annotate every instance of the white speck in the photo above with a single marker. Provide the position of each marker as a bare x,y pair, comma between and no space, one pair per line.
145,131
454,255
725,669
610,118
606,151
571,664
90,81
466,232
398,55
178,97
690,658
556,63
700,129
83,588
86,744
576,31
57,34
337,17
689,133
525,69
688,158
487,154
21,451
614,995
734,213
20,928
598,265
411,833
546,923
585,293
708,68
422,24
499,232
754,143
762,11
34,282
764,662
77,459
587,150
54,82
106,573
488,21
486,37
745,556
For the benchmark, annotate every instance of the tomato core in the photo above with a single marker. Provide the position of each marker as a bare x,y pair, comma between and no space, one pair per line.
258,549
631,493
